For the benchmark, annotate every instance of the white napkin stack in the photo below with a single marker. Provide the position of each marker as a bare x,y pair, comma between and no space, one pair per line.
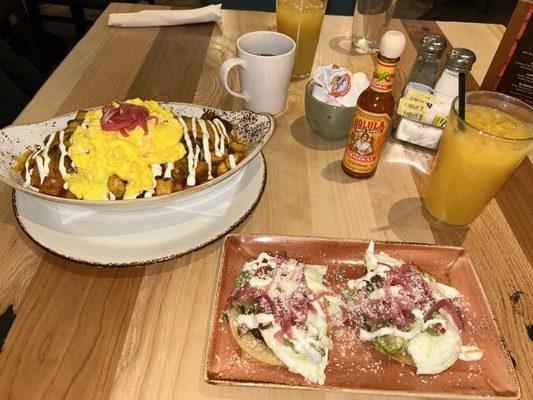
165,17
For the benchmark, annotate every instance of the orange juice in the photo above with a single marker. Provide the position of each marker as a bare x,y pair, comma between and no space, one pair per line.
302,21
474,161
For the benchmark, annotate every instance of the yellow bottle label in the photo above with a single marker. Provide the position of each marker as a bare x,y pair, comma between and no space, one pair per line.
415,104
383,77
422,96
412,109
365,141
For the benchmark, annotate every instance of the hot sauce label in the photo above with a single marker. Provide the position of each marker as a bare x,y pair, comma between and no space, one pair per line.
365,140
383,77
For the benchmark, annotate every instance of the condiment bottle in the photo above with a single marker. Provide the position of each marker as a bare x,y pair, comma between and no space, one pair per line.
374,111
426,66
458,60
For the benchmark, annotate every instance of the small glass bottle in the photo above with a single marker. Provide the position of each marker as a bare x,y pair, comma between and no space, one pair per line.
458,60
373,113
427,63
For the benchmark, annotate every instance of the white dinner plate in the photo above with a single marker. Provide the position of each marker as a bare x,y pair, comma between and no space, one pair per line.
135,237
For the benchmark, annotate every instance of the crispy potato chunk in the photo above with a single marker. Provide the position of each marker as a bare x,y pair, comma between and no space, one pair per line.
178,186
74,123
221,169
116,186
20,160
70,195
236,147
202,171
208,115
217,160
54,164
80,116
52,186
164,186
35,179
181,169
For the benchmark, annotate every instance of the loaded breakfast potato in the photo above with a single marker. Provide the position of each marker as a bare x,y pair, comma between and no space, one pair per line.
131,149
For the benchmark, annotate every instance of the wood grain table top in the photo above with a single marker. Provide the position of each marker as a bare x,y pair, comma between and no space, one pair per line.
87,333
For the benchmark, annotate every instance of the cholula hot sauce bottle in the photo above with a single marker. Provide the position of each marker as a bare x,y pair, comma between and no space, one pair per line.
373,114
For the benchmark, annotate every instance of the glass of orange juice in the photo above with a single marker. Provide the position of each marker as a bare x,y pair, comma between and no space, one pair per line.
302,21
476,157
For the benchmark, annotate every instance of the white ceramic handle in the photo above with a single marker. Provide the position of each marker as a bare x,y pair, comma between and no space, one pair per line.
223,76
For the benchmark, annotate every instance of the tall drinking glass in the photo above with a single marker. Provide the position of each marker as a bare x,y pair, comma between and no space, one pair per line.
370,21
302,21
476,157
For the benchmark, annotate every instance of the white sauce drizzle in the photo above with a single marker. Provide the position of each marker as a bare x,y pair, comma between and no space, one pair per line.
222,127
197,151
219,144
29,172
232,163
63,153
220,131
192,154
157,170
43,159
168,170
207,154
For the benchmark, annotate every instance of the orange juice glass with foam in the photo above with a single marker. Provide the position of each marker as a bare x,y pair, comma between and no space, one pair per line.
476,157
302,21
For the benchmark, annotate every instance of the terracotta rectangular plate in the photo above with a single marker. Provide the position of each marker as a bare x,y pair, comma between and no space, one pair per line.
355,366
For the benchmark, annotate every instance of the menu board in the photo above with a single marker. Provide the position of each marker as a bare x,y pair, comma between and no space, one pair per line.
511,71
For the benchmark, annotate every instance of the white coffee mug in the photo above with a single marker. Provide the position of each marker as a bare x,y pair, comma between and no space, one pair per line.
265,59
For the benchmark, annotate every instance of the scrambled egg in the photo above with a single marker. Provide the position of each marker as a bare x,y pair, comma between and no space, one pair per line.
98,154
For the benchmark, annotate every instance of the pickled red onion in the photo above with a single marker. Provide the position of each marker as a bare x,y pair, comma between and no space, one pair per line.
124,118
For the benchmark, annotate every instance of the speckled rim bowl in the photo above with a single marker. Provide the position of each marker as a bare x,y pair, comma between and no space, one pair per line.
254,128
329,122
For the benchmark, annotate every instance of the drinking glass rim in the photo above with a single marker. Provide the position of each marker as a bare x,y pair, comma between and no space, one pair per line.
482,132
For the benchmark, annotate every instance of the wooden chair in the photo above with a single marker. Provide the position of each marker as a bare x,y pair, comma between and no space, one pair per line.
13,13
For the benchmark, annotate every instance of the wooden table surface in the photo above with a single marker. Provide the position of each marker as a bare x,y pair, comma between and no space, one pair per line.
88,333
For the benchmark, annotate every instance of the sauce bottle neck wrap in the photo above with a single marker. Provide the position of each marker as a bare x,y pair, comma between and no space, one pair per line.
384,72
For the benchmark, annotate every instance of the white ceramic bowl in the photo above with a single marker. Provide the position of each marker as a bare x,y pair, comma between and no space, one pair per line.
254,128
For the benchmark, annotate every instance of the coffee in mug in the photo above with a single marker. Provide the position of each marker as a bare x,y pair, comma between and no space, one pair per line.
265,60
